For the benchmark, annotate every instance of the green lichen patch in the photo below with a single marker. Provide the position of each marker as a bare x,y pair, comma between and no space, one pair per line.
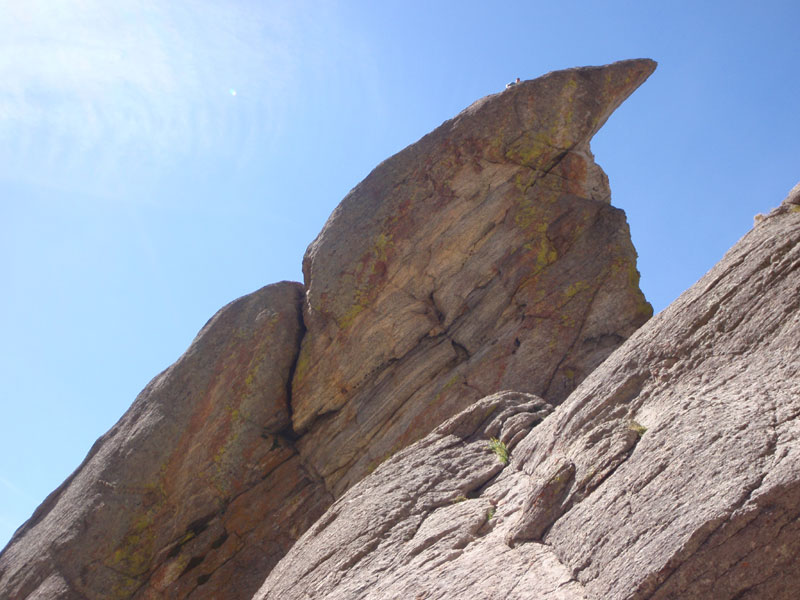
448,385
369,273
576,288
132,558
536,150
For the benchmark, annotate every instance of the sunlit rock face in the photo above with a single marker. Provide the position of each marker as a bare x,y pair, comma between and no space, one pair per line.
485,257
672,471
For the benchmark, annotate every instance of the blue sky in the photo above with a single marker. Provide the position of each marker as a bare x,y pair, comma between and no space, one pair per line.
159,159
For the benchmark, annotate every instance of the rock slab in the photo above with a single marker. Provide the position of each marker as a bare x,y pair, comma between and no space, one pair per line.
672,471
396,533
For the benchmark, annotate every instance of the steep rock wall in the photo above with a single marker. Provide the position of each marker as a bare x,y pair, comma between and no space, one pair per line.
672,471
483,257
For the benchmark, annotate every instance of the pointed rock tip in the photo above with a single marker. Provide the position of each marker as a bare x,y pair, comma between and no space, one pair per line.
562,108
614,83
641,67
631,72
625,76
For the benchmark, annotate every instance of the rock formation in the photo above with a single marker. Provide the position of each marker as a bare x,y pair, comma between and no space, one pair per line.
192,480
484,257
672,471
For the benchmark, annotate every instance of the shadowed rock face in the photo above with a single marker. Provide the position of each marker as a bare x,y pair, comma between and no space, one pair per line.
193,480
484,257
672,471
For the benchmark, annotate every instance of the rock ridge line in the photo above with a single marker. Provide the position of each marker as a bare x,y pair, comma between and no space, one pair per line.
485,257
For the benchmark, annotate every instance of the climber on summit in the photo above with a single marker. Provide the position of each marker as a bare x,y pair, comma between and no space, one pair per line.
511,84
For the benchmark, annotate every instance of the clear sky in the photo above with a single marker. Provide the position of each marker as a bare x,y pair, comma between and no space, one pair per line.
159,158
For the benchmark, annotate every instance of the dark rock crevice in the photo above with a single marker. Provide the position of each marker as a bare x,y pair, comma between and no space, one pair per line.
289,432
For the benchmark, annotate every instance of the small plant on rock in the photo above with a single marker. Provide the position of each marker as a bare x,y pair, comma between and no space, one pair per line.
638,428
500,449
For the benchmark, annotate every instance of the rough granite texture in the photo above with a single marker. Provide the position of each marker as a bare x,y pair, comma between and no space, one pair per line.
192,481
484,257
672,471
419,526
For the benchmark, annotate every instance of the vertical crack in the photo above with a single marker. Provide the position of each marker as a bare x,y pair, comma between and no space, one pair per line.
289,432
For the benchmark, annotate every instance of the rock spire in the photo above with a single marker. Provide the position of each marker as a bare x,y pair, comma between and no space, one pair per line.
484,257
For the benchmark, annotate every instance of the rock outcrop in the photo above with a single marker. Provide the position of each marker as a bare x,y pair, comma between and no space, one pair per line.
484,257
672,471
192,480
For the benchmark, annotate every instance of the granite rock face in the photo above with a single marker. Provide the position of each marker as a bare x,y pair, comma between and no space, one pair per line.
672,471
192,481
391,535
484,257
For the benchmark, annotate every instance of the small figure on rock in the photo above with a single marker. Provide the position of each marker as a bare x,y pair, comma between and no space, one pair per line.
511,84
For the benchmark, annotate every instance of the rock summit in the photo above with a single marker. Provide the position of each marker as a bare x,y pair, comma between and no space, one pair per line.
476,291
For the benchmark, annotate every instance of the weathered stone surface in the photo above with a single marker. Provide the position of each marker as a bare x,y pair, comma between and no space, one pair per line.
484,257
190,490
672,471
391,534
685,441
